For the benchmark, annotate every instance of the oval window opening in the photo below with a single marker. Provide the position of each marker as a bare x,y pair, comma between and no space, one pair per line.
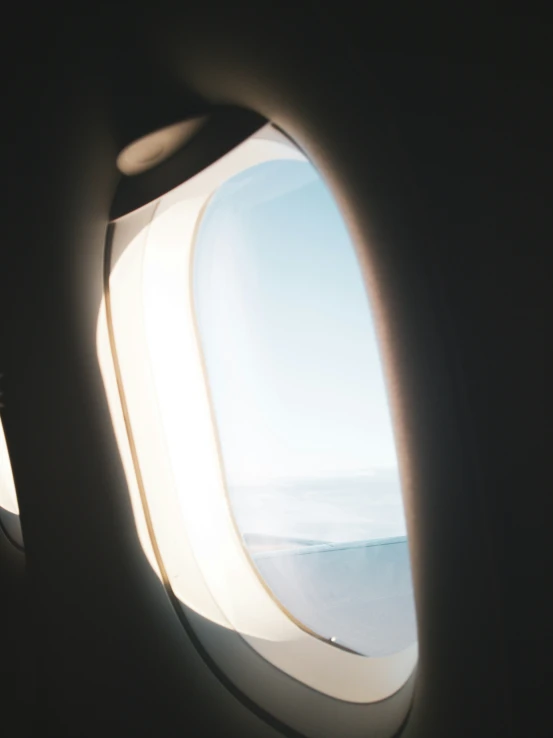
300,407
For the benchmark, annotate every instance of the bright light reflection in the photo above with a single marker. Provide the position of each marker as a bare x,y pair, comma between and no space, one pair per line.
8,497
107,369
9,507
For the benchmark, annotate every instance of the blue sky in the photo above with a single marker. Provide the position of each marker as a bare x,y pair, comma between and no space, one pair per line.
286,331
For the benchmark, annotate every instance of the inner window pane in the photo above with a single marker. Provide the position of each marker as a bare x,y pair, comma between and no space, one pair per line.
301,409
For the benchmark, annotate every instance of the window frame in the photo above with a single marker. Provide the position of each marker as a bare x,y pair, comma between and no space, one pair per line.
147,342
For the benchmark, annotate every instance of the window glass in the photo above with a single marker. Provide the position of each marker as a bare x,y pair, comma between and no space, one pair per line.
300,406
9,509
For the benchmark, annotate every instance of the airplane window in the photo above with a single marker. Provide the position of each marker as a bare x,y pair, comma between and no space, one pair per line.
266,488
9,509
300,407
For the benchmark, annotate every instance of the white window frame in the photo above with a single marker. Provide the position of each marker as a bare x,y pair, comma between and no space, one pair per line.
158,391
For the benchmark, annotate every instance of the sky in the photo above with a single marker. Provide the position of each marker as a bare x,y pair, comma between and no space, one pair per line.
286,331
